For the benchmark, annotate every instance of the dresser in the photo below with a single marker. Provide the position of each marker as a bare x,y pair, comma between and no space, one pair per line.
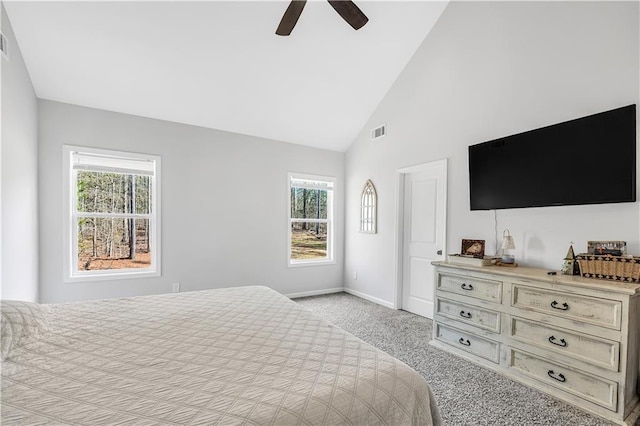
577,339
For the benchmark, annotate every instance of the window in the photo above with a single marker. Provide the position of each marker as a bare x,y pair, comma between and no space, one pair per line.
368,203
112,214
310,219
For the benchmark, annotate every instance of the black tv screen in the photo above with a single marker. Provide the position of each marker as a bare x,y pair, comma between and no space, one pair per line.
589,160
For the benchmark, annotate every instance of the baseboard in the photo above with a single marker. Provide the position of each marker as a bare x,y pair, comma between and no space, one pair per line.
369,298
340,290
315,292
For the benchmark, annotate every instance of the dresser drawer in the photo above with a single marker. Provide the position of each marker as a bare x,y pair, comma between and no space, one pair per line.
591,388
594,350
480,317
604,312
473,287
468,342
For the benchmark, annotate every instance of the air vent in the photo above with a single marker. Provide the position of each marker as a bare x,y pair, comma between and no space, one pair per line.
3,46
379,132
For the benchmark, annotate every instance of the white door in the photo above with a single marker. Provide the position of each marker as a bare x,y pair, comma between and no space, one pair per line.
423,233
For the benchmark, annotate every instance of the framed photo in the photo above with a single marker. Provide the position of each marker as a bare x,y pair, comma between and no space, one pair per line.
474,248
616,248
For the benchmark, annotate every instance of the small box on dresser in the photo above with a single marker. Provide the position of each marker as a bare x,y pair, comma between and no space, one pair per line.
575,338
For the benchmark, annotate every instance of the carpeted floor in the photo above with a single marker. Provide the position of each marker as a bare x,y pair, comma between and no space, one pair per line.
467,394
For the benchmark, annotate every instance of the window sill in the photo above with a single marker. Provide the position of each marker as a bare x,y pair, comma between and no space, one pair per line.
111,276
301,264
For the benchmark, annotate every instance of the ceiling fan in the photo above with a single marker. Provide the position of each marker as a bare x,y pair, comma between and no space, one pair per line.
345,8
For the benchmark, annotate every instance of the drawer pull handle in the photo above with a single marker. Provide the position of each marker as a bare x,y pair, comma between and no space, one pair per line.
553,340
464,314
564,306
466,286
559,376
465,342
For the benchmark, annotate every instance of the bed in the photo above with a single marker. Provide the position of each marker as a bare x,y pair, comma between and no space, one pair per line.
243,355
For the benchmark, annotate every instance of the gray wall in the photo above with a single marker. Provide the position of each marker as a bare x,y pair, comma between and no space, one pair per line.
224,204
487,70
19,181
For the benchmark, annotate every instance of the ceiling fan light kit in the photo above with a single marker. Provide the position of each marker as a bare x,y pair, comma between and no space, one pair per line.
345,8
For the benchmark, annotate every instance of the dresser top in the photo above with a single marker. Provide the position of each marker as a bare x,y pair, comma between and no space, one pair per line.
538,274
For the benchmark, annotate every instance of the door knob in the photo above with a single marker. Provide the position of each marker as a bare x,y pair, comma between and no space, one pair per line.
439,252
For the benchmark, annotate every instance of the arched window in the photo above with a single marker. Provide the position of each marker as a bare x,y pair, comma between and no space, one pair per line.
368,203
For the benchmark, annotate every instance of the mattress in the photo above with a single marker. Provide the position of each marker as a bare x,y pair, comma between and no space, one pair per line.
228,356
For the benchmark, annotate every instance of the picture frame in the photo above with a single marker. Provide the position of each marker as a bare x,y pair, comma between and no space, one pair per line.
616,248
473,248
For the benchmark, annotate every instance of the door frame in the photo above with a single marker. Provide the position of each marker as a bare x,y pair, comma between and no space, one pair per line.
399,229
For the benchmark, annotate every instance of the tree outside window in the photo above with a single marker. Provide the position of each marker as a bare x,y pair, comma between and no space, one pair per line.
310,219
113,214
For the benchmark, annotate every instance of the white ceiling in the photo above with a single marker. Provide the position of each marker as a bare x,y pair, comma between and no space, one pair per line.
219,64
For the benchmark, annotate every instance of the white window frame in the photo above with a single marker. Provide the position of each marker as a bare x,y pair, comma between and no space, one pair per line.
70,215
330,259
369,209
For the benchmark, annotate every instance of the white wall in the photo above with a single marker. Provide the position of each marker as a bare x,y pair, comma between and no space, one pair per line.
19,171
224,204
487,70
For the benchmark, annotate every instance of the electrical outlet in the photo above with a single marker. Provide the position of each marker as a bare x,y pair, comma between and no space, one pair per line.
175,287
355,276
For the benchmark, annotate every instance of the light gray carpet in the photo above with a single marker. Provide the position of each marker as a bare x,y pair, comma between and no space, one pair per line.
467,394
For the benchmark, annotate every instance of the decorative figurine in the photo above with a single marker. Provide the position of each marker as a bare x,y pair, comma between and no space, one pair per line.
568,266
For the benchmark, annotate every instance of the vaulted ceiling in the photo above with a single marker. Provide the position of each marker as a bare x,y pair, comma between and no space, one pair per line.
219,64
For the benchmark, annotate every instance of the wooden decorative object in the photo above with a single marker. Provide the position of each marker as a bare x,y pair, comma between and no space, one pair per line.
508,265
368,209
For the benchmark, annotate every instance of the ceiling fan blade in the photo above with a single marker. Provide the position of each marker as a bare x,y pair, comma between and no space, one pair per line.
290,17
350,13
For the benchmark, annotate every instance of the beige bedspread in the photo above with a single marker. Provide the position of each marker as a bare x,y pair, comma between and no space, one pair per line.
229,356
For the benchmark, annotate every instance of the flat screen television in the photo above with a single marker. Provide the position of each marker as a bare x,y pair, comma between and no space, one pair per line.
589,160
